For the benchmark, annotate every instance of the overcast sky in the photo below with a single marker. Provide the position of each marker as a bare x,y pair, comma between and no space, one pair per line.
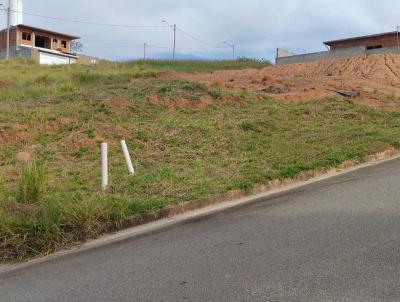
256,27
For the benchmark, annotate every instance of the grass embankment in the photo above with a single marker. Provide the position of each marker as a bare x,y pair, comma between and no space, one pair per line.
200,66
60,115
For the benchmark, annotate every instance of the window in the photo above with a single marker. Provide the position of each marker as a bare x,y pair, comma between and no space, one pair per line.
374,47
26,36
55,41
64,44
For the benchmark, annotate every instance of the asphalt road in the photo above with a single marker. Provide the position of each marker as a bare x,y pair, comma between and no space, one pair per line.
337,240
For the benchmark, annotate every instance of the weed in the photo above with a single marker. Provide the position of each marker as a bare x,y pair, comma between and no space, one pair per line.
247,126
142,135
2,189
193,86
90,133
216,94
44,79
163,90
176,89
81,152
86,77
390,97
32,183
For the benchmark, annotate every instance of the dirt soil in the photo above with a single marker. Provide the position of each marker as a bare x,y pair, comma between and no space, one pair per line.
375,80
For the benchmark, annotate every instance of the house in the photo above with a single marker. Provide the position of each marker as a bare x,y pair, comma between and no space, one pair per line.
43,45
377,41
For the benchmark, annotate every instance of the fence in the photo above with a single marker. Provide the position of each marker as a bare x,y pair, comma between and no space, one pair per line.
15,52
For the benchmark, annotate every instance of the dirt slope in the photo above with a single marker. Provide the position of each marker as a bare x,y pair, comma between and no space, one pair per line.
375,79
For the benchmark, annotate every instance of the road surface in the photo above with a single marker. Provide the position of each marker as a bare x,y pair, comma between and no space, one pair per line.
336,240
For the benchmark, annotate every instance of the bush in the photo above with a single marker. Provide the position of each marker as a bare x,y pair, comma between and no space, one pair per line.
32,183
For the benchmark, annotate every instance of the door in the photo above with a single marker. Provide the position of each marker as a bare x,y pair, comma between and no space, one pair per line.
54,59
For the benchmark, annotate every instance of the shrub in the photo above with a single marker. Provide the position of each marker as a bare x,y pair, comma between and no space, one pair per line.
216,94
32,183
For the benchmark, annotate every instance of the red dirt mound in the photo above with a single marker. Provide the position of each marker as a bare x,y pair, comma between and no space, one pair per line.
375,79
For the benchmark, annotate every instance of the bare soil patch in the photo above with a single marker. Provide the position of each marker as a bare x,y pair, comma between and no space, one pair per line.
117,103
202,103
375,78
5,84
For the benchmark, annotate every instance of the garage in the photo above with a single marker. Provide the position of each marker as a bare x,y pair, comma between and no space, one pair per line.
50,58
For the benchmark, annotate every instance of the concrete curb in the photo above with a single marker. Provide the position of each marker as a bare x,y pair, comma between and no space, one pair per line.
144,224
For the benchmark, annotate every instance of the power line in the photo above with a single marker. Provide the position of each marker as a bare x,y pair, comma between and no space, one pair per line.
201,48
120,46
193,37
211,46
184,48
156,46
87,22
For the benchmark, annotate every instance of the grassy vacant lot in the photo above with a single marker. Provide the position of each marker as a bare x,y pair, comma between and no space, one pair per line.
188,142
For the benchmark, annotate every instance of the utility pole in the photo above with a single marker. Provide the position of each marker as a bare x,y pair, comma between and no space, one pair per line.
173,27
8,33
173,57
398,39
7,11
144,52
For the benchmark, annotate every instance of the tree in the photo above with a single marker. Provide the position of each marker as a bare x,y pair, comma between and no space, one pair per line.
76,46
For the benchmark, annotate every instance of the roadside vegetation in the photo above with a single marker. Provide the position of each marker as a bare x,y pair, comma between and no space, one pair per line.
188,141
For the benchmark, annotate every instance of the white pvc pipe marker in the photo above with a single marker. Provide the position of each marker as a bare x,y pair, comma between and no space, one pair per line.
104,166
127,157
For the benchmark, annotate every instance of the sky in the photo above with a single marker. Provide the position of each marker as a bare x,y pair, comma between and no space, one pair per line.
256,27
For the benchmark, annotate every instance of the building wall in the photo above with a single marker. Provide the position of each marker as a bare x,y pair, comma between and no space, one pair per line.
87,60
389,40
35,55
3,38
335,54
382,51
280,52
323,55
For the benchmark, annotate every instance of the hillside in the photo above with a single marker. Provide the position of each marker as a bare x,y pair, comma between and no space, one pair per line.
192,135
